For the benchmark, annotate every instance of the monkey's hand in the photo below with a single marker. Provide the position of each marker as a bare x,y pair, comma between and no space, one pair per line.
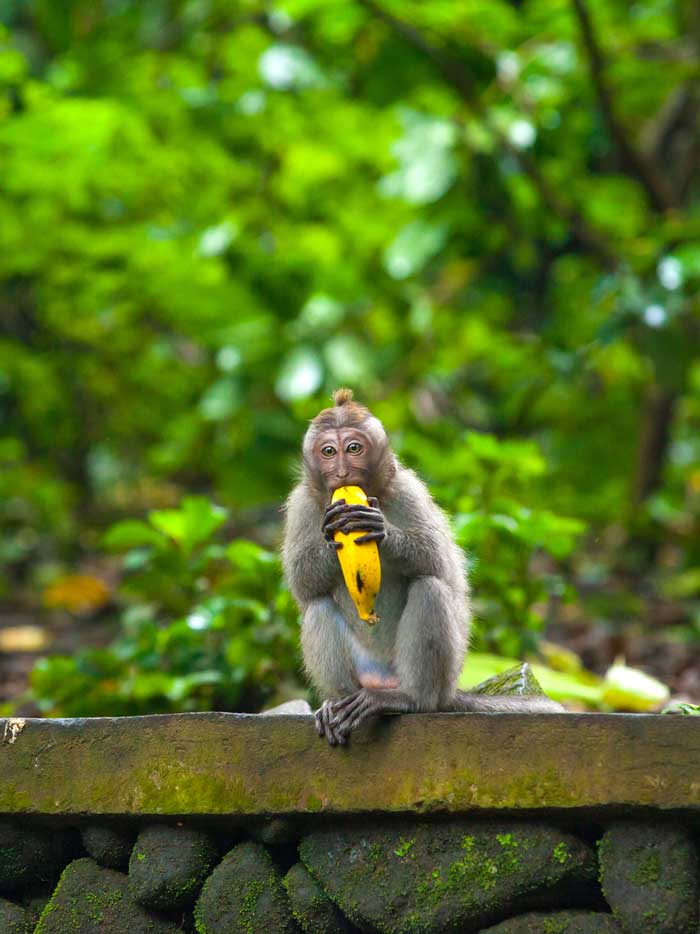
341,517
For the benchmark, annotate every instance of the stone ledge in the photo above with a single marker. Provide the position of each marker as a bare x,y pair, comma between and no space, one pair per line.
235,764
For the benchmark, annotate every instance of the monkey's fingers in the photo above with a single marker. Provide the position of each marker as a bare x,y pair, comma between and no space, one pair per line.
359,525
328,534
334,509
371,537
363,520
352,512
373,502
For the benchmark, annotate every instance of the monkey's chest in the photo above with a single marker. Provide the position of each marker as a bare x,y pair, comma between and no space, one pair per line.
373,647
389,605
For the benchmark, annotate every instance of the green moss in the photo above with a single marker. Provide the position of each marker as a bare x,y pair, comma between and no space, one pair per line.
554,926
404,847
560,853
469,877
647,869
97,904
249,903
507,840
140,857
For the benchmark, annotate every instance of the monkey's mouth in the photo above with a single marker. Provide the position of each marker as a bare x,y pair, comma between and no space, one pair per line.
334,485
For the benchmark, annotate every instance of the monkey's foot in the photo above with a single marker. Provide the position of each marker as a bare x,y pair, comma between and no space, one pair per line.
352,711
324,727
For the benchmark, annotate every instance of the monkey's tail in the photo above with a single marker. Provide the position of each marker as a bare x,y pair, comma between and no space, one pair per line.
503,703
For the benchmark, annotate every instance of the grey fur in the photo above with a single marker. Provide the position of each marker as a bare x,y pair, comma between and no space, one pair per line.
423,604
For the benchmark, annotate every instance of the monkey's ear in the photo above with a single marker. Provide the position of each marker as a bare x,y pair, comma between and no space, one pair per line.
342,396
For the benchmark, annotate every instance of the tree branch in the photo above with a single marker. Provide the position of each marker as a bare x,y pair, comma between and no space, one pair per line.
659,192
456,76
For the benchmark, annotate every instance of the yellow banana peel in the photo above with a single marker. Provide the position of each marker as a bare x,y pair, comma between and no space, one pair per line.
360,564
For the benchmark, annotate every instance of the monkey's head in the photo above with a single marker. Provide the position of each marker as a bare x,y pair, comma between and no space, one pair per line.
347,446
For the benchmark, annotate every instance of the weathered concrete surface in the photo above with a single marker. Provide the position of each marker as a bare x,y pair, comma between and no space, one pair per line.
216,763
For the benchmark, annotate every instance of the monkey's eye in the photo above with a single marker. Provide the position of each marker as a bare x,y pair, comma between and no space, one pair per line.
354,448
328,450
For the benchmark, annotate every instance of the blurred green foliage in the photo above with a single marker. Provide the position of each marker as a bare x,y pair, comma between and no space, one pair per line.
213,213
206,626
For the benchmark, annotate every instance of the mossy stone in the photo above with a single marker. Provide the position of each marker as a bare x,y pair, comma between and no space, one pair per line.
244,895
557,922
275,831
518,681
649,875
313,911
109,846
92,900
168,866
29,855
415,877
35,899
14,919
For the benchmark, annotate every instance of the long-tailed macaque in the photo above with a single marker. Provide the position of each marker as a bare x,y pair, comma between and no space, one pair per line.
412,659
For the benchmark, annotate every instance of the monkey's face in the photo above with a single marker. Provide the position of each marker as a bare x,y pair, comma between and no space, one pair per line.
345,457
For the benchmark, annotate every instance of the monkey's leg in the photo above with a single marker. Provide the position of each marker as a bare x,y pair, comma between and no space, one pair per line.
328,659
427,657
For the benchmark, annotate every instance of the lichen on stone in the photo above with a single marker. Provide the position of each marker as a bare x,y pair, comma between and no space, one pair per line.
458,873
168,866
90,899
244,895
14,919
110,846
313,911
649,877
557,922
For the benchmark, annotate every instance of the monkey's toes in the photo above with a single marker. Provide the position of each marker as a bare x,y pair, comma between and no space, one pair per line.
351,712
324,726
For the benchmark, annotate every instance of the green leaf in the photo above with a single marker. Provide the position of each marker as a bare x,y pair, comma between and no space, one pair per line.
130,533
195,521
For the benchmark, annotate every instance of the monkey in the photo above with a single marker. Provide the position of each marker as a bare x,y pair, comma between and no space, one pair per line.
411,660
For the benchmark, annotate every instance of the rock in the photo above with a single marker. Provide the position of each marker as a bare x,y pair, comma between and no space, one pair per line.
29,855
430,877
168,866
244,894
275,831
109,846
313,911
35,899
518,680
297,707
92,900
13,919
649,875
557,922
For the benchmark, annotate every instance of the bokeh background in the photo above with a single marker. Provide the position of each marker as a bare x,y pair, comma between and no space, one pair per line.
482,215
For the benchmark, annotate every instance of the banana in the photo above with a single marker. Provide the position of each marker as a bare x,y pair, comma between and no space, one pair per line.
360,564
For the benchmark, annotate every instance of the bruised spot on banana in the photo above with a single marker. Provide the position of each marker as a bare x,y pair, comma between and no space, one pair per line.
360,564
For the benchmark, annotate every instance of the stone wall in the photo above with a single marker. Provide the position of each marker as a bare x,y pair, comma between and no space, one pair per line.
108,826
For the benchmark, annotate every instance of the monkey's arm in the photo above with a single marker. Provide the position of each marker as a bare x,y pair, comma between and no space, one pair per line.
310,564
418,538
